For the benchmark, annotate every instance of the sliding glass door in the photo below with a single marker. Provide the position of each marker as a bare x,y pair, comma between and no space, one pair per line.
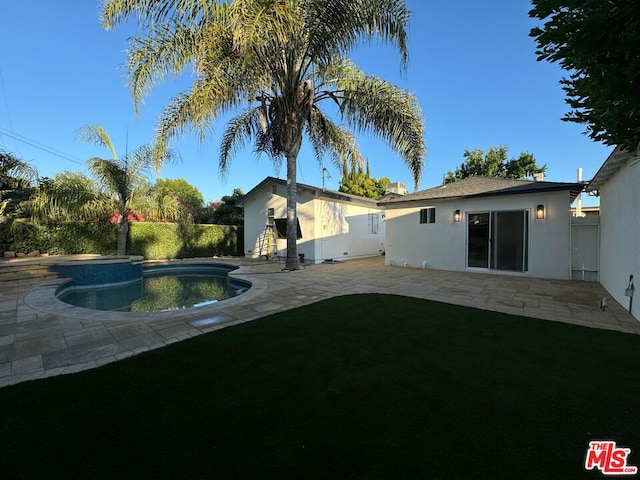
478,240
498,240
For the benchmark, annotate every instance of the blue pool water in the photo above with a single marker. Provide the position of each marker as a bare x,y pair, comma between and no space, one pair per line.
161,288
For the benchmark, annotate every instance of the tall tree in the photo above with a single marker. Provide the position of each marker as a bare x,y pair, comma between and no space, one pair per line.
275,62
494,163
188,195
597,42
121,177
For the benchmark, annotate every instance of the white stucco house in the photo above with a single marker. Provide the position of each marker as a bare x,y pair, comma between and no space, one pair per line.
618,185
483,224
331,225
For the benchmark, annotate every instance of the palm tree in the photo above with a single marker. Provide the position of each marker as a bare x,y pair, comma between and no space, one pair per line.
16,179
68,196
274,62
121,178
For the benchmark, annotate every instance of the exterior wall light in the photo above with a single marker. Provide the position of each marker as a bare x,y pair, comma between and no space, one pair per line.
540,212
456,216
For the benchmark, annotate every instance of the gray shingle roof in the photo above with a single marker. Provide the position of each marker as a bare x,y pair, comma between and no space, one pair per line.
482,187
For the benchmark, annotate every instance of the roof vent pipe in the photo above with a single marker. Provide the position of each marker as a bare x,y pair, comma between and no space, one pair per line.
579,199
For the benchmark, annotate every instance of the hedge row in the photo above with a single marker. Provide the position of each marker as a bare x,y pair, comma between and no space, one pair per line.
151,240
165,240
68,238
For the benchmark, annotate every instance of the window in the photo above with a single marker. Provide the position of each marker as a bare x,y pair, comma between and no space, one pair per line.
428,215
270,215
373,223
281,227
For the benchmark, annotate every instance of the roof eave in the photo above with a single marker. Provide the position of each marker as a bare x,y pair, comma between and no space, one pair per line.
611,165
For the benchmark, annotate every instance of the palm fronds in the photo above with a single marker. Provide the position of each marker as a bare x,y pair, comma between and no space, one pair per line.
97,135
68,196
373,105
275,53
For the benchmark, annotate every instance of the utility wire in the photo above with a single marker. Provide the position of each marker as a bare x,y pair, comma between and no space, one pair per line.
41,146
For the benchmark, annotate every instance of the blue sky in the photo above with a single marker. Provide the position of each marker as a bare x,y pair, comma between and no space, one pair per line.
472,67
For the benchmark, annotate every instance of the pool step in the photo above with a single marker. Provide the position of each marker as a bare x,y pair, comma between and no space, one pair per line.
22,273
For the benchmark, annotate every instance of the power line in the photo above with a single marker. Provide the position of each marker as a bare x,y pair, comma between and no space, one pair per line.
41,146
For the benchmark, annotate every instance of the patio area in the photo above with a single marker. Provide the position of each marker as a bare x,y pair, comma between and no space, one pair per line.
37,341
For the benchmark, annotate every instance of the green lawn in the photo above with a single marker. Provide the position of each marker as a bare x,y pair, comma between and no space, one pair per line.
364,386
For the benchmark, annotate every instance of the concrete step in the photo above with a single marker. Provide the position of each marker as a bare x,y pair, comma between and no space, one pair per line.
20,273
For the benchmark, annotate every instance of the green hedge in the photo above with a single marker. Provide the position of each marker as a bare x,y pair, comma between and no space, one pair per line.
163,241
69,238
151,240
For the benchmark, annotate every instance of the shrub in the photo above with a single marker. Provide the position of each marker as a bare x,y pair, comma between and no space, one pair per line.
154,241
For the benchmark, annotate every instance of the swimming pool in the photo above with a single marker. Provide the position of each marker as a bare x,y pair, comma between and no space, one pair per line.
157,288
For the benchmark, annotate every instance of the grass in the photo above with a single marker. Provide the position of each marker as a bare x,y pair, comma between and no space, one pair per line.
364,386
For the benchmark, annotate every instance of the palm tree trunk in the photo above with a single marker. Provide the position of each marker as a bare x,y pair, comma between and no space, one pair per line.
292,213
123,231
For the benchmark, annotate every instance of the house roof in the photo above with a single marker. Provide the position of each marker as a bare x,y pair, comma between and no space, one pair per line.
482,187
315,191
611,165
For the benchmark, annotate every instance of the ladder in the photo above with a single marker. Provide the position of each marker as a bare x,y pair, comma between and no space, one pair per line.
267,242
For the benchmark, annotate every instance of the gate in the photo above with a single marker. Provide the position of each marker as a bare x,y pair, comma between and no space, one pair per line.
585,248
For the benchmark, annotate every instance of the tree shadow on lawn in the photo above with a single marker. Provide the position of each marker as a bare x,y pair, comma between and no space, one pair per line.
362,386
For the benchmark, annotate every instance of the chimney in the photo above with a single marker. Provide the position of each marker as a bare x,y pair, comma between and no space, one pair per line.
397,188
538,177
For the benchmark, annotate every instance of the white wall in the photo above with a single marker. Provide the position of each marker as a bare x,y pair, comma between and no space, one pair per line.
255,217
410,243
620,233
442,245
330,229
342,231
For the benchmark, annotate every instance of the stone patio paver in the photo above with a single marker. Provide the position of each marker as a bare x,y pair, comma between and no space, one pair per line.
40,336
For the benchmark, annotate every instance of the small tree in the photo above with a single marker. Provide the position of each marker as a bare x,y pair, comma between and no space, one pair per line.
121,178
494,163
16,180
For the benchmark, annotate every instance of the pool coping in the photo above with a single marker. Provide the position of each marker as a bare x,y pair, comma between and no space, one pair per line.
43,297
